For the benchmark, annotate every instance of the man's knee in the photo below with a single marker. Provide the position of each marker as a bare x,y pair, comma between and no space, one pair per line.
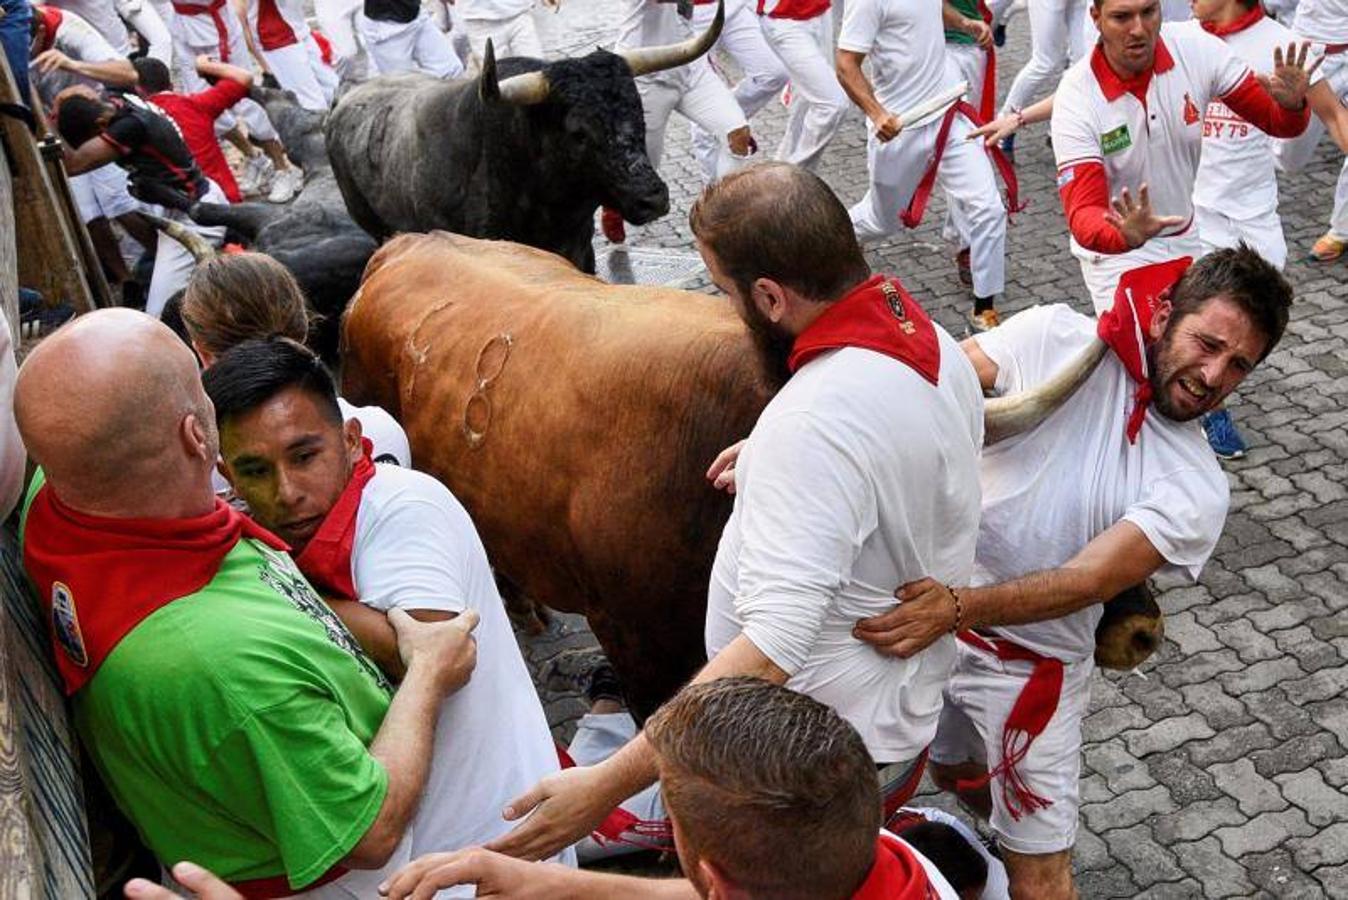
1040,876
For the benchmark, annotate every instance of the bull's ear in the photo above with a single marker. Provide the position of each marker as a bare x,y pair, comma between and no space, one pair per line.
487,88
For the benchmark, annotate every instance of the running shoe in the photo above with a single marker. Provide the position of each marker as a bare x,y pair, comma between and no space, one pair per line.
257,174
1328,248
986,320
1222,435
286,185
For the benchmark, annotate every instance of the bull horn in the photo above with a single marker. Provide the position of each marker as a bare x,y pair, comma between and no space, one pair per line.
645,60
194,243
1005,417
526,89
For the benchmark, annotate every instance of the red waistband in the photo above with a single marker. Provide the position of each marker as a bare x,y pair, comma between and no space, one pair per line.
279,885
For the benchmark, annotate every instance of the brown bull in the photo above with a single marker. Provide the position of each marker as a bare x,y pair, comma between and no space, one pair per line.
574,420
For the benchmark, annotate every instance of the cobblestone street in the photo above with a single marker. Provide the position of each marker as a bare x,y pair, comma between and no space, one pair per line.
1218,769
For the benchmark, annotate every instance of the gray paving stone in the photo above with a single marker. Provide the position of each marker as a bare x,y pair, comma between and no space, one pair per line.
1233,743
1090,852
1326,847
1251,644
1217,706
1146,860
1254,793
1323,803
1260,676
1127,809
1295,754
1107,884
1196,820
1191,637
1186,782
1220,875
1321,685
1284,718
1108,722
1121,771
1167,734
1334,879
1264,832
1188,889
1278,876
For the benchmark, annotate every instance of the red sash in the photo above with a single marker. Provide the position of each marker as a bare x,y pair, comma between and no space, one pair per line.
897,874
987,97
213,10
1253,16
326,561
917,206
878,315
1124,327
98,578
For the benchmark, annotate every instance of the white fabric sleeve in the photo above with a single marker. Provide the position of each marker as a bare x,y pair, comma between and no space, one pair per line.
13,457
80,41
415,557
1018,347
1225,70
807,508
1182,514
1071,128
861,23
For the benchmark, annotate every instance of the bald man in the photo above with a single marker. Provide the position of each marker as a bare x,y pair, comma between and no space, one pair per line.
233,718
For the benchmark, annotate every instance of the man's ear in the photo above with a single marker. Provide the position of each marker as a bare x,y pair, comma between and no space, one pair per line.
719,885
193,434
770,297
351,434
1160,318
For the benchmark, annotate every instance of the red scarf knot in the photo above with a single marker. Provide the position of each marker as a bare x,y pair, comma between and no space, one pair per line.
1253,16
326,561
98,578
1126,327
896,874
878,315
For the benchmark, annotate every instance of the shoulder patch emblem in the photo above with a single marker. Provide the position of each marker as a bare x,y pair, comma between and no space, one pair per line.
1116,140
66,624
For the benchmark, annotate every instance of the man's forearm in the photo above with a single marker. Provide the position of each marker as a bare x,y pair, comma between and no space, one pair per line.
1325,104
858,87
403,747
1036,597
113,72
584,885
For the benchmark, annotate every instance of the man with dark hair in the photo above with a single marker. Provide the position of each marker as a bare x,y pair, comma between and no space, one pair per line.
138,137
196,114
376,539
862,468
959,860
232,717
1115,486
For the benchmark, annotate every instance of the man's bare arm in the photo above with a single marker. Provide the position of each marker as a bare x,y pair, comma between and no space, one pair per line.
983,364
1325,104
496,875
117,73
88,156
376,636
1118,558
858,88
440,657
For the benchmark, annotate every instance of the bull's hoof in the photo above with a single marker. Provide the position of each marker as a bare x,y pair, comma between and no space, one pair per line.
1130,631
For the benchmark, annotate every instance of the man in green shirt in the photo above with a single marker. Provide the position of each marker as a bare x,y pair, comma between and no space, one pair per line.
232,716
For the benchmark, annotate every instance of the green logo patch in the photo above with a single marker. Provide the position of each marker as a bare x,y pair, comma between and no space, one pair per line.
1116,140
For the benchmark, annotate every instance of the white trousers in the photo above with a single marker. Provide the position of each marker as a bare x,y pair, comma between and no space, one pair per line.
416,46
516,36
337,18
763,77
966,176
150,25
817,100
1263,233
185,60
1293,154
597,738
299,69
173,265
699,95
1101,271
1057,35
102,193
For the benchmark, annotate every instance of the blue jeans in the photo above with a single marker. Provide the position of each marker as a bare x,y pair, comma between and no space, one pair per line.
14,38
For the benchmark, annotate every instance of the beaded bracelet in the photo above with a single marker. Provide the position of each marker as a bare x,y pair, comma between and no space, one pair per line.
959,610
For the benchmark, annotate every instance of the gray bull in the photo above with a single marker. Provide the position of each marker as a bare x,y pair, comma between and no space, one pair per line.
525,154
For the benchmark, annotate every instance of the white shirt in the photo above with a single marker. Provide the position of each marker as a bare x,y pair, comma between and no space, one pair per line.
1322,21
1236,174
493,10
1047,493
199,30
1159,142
416,548
997,886
80,41
905,42
859,476
102,17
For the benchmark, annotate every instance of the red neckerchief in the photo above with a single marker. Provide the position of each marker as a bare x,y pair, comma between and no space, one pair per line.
98,577
878,315
51,21
1125,326
326,561
1114,86
897,874
1253,16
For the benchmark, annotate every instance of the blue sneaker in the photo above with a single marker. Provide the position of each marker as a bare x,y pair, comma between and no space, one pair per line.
1222,435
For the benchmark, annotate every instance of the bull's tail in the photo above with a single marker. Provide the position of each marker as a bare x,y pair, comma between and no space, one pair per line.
245,218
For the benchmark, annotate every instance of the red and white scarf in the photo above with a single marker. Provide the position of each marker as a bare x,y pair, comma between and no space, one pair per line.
98,578
879,315
896,874
326,561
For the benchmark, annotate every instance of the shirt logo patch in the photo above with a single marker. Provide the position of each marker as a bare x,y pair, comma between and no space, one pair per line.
1066,177
66,624
1116,140
1191,114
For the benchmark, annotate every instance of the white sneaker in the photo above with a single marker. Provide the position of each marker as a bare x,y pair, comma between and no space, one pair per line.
286,185
257,173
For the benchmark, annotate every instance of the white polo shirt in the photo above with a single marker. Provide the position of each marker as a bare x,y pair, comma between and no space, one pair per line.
905,43
416,548
1156,140
859,476
1322,21
1237,175
1050,491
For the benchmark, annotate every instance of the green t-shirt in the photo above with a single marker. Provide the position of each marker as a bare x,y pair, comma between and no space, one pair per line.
231,725
968,9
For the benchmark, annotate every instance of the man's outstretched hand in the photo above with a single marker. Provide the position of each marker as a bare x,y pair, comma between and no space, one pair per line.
1289,81
1135,219
561,809
926,611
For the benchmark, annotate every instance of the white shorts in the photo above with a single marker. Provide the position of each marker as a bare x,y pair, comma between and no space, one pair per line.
1101,271
1263,233
699,95
416,46
516,36
978,698
102,193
